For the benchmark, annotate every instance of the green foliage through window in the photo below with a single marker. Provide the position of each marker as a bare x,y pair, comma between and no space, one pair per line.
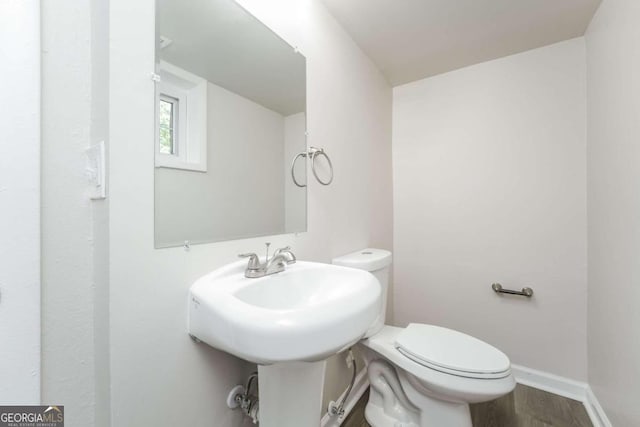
167,121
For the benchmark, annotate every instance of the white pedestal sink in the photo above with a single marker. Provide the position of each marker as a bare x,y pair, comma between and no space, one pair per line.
288,323
291,394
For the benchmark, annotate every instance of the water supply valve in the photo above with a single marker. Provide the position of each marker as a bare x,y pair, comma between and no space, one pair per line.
336,409
241,397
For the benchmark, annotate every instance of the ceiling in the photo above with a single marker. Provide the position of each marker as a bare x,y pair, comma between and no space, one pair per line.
413,39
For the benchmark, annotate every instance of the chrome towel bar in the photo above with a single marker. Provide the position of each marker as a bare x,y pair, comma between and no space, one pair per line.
525,292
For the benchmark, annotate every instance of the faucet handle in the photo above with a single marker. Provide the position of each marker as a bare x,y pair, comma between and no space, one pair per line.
254,261
289,258
286,248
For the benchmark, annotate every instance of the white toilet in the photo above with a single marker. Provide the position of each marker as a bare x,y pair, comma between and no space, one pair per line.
424,375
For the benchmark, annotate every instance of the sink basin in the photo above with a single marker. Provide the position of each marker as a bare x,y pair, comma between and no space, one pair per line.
305,313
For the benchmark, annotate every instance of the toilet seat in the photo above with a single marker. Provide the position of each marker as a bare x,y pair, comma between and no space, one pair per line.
452,352
451,387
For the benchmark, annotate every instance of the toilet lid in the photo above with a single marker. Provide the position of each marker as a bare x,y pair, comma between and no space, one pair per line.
452,352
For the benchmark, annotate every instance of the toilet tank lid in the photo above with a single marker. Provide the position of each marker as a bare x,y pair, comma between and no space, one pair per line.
369,259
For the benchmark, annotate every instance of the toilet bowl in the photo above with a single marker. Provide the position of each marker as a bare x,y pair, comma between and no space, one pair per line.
424,375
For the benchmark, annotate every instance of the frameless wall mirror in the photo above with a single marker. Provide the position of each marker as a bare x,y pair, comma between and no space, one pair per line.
230,117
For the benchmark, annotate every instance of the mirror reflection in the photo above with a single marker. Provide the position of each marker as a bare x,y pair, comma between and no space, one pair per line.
230,118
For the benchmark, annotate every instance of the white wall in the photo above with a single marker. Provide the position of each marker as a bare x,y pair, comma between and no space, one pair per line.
158,375
613,62
75,344
20,203
489,186
99,242
242,191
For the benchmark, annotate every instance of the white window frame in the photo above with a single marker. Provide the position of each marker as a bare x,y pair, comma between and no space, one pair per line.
190,140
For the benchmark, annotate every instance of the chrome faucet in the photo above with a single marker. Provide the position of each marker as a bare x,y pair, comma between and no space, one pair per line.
279,260
277,263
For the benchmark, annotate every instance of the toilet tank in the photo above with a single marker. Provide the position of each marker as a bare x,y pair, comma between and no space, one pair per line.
377,262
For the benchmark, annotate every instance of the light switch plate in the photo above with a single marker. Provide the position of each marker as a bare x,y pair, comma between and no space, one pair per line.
96,171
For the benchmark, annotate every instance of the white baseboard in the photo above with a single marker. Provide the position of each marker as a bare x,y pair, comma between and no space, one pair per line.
595,411
565,387
359,387
555,384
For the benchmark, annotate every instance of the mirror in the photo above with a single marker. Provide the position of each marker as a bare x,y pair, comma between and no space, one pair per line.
230,118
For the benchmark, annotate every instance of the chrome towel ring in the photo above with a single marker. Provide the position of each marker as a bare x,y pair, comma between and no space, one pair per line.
313,153
320,152
293,165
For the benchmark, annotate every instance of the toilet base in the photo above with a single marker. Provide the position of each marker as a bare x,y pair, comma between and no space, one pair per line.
376,417
434,411
395,401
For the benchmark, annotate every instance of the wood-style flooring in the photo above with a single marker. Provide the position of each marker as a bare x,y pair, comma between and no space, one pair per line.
524,407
